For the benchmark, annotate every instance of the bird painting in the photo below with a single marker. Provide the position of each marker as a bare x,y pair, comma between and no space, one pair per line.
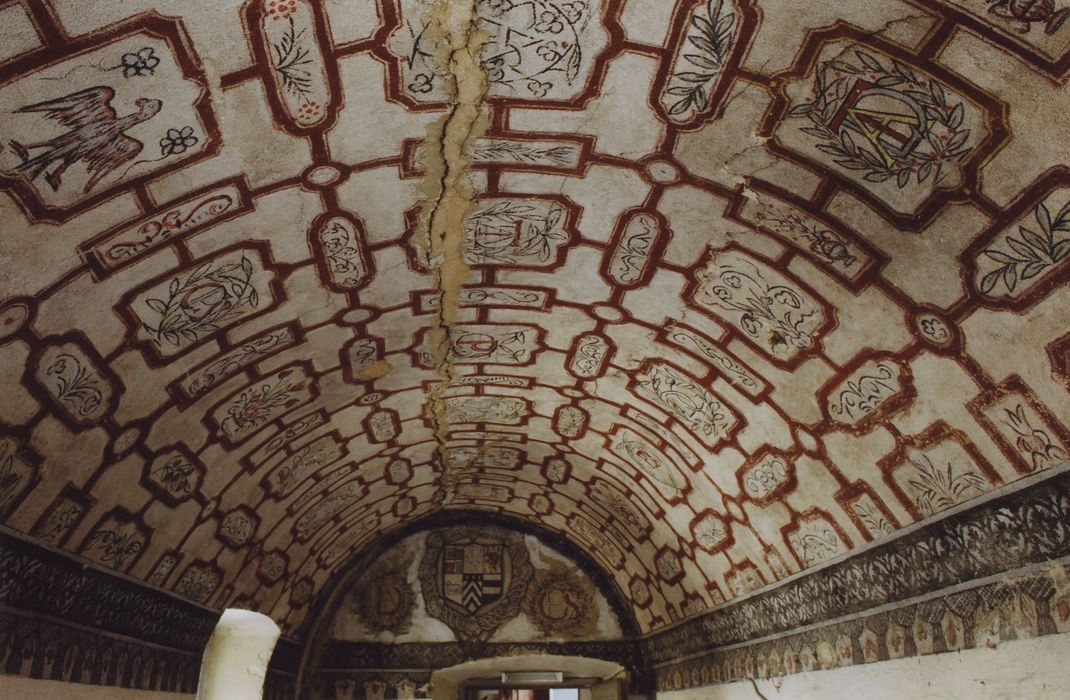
97,136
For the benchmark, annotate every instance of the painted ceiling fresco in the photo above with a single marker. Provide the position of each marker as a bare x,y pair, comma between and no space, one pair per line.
717,290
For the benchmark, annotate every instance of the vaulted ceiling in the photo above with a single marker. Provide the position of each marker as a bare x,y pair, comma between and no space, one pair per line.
717,290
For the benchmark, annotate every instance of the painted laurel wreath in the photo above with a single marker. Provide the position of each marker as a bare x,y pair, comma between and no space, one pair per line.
922,163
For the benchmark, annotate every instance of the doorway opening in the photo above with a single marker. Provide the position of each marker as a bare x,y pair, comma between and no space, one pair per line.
527,694
531,677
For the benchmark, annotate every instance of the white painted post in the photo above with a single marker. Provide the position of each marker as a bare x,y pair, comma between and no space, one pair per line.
235,661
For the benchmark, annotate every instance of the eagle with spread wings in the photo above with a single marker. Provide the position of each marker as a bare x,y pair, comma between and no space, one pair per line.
97,136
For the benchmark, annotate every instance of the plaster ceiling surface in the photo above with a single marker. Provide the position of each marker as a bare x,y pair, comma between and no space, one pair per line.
716,290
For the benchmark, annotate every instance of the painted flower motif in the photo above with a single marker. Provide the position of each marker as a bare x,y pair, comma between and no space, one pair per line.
422,83
549,22
177,141
539,88
548,51
310,111
573,12
281,9
143,62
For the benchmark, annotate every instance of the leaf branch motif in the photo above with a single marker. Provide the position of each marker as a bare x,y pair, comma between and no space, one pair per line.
291,59
75,385
833,82
938,489
174,475
202,302
1030,253
522,152
867,392
713,38
690,403
528,232
115,547
254,406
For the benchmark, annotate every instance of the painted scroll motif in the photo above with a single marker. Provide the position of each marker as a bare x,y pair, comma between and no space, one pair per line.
765,306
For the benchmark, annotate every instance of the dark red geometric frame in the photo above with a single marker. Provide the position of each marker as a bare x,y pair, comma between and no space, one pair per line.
361,245
854,491
168,30
69,493
545,468
409,168
181,398
953,347
739,422
1014,385
311,377
795,524
654,254
1023,204
221,518
664,551
572,216
938,432
395,421
390,12
788,486
1059,356
583,428
641,478
780,266
153,358
644,423
388,477
726,335
803,67
591,505
749,19
343,357
259,569
729,539
286,434
869,273
252,16
121,515
902,399
424,301
172,554
27,454
538,343
599,553
334,519
100,271
572,358
1056,70
287,451
78,338
165,495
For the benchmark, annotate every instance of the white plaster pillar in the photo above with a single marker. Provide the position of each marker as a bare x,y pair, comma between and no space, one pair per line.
235,661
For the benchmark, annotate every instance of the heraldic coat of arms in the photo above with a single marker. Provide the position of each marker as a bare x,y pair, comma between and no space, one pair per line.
473,580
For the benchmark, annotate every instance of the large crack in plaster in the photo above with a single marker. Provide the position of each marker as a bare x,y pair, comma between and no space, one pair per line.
448,199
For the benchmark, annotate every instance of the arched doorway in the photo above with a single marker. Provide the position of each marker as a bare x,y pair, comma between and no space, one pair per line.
530,677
